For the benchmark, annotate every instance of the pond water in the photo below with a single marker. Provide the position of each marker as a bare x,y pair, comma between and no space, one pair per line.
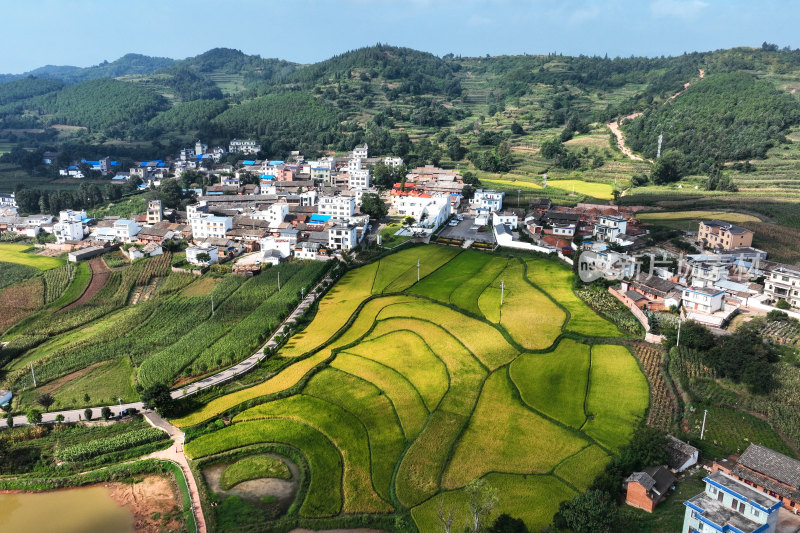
81,510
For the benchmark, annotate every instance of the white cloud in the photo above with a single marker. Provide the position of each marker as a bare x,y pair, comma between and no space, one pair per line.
677,8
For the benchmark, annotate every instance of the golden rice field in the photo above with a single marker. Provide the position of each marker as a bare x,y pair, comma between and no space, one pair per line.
401,392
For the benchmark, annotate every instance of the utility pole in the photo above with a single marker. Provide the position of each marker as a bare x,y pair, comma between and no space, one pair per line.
417,270
703,429
660,139
678,342
502,291
33,375
212,305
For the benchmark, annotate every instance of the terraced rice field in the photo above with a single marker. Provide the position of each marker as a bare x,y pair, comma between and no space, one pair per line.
18,253
403,392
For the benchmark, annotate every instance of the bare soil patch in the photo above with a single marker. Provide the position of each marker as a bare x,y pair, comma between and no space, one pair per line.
153,501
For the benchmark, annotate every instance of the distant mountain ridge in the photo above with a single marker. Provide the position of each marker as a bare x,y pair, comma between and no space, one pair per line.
129,64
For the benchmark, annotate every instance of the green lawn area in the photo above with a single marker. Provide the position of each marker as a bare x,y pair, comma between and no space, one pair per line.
388,237
16,253
254,467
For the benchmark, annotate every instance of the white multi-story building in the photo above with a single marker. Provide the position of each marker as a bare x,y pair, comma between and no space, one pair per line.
427,211
282,245
509,220
206,226
68,215
360,152
187,154
783,284
342,237
196,210
728,505
8,200
155,213
193,251
487,199
393,162
339,207
274,214
125,230
357,177
244,146
200,148
68,231
704,300
608,228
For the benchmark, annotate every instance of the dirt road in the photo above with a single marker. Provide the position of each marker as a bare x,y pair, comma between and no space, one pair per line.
100,274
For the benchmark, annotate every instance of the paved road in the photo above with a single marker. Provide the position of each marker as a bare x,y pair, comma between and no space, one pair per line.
219,378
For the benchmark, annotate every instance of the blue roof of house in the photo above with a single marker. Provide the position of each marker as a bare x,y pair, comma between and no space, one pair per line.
72,167
114,164
142,186
320,218
162,165
144,164
249,162
199,157
266,176
273,163
93,163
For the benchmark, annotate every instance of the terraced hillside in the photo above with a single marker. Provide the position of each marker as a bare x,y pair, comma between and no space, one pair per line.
401,392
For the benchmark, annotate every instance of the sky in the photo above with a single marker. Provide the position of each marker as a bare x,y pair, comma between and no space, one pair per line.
34,33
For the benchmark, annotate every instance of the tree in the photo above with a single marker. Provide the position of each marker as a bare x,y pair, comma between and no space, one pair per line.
45,400
446,516
59,418
158,397
507,524
372,205
591,512
170,193
516,128
88,414
9,419
34,416
454,149
105,412
665,170
482,501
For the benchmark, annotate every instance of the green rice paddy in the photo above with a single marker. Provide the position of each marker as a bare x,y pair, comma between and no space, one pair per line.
404,391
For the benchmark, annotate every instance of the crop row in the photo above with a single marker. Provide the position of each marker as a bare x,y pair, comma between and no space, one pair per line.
56,281
131,439
664,406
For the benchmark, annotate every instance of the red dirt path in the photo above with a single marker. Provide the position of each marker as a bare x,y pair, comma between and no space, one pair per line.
100,274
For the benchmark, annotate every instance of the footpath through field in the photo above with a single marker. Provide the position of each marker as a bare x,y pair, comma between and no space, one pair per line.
75,415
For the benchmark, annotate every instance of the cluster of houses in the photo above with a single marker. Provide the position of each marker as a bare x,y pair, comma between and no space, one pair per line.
757,492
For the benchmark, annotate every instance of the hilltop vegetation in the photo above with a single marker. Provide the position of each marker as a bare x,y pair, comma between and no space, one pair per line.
724,117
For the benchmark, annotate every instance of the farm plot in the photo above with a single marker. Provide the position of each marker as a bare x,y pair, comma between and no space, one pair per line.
618,395
409,400
556,279
601,191
398,272
555,382
518,297
11,273
18,253
501,435
323,497
532,498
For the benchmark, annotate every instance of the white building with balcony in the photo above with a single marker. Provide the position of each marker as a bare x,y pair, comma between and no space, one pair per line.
342,237
339,207
210,226
68,231
487,199
704,300
783,283
125,230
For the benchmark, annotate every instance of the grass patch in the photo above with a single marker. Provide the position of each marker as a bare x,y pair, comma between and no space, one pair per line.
502,435
254,467
388,237
12,273
555,382
601,191
618,395
398,272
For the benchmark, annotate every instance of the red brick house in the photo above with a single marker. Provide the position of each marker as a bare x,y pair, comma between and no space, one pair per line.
647,489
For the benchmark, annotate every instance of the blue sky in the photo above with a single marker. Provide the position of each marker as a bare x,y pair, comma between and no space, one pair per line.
85,32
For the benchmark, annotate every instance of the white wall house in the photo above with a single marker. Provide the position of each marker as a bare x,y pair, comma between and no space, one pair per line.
703,300
337,206
729,505
196,210
783,284
429,212
487,199
125,230
563,230
244,146
193,251
360,152
282,245
357,177
342,237
509,220
274,214
393,162
68,215
68,231
608,228
206,226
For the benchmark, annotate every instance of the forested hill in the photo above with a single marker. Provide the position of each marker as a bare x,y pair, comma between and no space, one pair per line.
405,101
129,64
723,117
